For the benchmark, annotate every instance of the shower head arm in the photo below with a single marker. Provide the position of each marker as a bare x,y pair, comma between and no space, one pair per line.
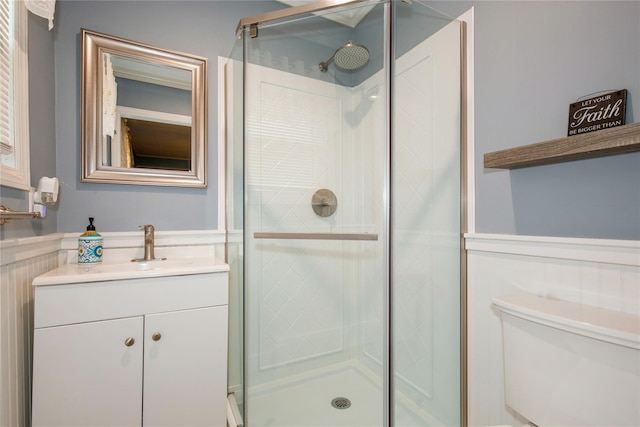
325,65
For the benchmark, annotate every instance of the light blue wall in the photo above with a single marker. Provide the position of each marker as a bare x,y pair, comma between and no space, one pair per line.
532,59
202,28
154,97
41,130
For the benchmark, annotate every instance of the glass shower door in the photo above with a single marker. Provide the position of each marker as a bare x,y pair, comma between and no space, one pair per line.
426,218
345,227
314,230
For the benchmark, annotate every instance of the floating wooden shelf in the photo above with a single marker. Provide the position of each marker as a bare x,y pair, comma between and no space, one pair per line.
606,142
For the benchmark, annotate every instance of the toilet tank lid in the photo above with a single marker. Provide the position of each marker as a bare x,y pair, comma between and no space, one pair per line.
606,325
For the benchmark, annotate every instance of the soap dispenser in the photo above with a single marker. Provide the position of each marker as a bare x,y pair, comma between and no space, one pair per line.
90,246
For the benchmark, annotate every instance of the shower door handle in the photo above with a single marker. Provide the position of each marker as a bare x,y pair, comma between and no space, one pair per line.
317,236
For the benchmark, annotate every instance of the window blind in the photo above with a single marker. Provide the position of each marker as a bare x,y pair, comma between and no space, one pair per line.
7,40
14,95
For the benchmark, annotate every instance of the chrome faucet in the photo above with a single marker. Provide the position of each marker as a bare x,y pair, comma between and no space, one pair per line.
149,244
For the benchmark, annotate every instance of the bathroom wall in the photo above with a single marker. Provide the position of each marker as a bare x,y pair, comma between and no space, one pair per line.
23,259
522,92
203,28
41,130
20,263
532,59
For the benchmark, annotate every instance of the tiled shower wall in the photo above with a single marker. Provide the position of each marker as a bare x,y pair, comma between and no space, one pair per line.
300,294
22,260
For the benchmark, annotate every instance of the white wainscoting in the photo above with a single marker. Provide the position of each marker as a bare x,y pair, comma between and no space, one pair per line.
23,259
602,273
124,246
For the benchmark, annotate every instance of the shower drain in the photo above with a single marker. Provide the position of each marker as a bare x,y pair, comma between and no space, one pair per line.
341,403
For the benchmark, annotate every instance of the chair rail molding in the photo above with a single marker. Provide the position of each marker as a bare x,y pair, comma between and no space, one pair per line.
622,252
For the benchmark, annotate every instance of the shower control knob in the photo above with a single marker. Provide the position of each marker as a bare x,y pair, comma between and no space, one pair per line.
156,336
324,202
129,342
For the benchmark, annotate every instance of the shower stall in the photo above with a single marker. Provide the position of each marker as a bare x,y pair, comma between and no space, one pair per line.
345,216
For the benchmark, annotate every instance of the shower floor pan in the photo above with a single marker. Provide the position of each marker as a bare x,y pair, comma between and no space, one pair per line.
307,402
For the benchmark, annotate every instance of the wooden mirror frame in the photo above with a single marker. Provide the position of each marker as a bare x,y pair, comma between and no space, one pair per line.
94,45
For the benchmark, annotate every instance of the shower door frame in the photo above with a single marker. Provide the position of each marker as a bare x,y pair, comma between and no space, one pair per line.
252,24
253,21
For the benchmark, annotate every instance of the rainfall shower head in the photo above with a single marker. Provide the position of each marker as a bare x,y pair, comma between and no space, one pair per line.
349,57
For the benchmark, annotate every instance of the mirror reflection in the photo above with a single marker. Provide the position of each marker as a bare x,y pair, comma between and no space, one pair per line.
144,118
146,115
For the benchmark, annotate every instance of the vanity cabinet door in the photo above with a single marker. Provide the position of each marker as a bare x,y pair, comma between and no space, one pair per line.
88,374
185,363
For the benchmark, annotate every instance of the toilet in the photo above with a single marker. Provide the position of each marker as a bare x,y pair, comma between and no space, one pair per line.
566,364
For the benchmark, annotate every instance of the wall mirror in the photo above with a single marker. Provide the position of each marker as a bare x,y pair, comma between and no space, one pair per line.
144,118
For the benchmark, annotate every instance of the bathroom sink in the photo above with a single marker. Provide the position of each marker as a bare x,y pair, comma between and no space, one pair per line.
156,264
125,269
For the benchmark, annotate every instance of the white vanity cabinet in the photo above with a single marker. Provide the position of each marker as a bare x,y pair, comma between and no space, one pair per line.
145,351
85,375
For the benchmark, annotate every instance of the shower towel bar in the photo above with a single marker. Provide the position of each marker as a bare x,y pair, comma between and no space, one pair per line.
317,236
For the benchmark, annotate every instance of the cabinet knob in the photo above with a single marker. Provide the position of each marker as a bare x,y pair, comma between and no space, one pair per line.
129,342
156,336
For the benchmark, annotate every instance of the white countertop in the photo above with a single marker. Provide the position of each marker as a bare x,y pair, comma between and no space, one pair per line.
123,270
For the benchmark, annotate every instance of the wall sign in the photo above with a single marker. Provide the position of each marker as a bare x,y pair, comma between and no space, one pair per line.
597,113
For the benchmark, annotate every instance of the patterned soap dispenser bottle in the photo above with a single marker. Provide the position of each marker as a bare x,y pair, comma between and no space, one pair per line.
90,246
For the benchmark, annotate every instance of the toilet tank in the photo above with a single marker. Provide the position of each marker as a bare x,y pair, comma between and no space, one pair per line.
568,364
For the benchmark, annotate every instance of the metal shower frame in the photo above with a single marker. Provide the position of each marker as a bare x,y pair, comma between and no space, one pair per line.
317,6
252,23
